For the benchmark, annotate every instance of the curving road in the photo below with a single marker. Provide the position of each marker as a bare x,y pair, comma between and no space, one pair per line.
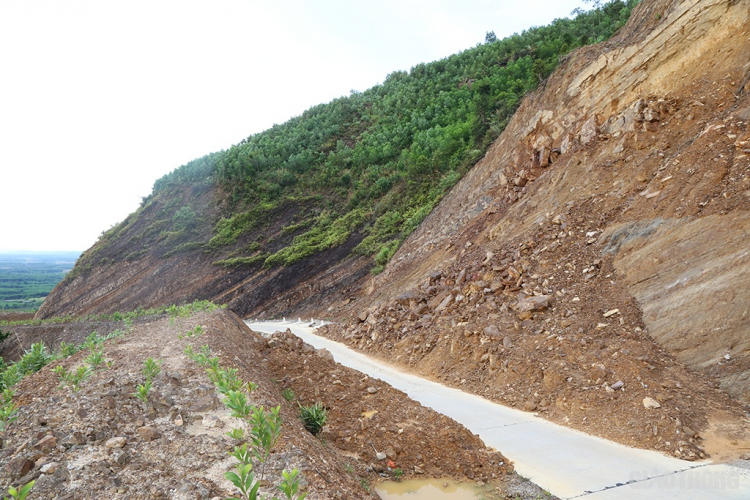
565,462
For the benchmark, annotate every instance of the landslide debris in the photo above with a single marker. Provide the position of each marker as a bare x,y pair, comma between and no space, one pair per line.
103,442
596,256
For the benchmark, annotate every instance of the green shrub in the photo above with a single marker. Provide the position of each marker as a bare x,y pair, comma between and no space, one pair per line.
313,417
288,394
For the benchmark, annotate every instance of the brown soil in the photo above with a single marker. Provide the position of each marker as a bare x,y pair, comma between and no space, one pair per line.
562,360
189,454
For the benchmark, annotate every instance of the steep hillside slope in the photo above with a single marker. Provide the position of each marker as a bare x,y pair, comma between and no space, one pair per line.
297,215
608,221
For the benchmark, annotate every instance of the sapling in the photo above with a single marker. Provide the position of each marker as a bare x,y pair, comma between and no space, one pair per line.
95,359
237,434
72,379
244,480
141,391
242,454
290,485
237,402
21,494
265,432
151,368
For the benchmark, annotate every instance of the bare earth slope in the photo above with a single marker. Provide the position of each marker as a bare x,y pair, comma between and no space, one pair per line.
176,445
602,241
135,264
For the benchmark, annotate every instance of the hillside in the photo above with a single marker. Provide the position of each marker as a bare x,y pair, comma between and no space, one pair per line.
95,439
597,255
302,213
591,266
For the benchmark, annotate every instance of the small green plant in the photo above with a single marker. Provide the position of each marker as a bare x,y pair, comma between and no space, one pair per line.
151,368
365,484
288,394
225,379
72,379
314,417
8,409
141,391
92,340
237,402
290,485
244,480
19,494
67,350
11,376
34,359
265,432
348,468
237,434
398,474
242,454
201,356
96,359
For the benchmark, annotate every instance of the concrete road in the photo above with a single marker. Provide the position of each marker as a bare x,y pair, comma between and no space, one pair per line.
565,462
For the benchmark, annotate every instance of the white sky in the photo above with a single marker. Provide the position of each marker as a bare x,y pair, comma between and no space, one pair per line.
98,99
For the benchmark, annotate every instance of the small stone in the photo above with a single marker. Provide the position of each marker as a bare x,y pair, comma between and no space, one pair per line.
507,342
178,421
534,303
212,421
116,442
206,403
381,455
651,403
611,312
372,390
324,353
492,331
418,470
148,433
49,468
19,467
529,406
46,443
618,385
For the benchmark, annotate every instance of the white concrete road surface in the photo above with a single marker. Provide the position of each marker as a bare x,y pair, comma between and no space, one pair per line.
565,462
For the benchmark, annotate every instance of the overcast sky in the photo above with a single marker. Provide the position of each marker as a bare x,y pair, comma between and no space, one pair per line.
98,99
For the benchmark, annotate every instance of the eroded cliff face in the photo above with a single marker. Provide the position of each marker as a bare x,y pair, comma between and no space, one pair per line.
639,148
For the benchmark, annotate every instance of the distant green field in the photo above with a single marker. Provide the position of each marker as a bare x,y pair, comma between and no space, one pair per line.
27,277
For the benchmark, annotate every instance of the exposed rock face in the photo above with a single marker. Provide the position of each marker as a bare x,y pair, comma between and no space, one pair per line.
645,139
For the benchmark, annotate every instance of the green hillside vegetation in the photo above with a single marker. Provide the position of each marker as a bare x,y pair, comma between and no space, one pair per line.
26,278
371,165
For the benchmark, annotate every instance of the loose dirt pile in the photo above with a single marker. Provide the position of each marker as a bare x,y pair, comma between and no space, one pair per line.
509,325
103,442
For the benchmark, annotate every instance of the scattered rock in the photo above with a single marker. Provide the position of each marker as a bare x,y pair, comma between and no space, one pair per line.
492,331
19,467
46,444
650,403
116,442
206,403
148,433
534,303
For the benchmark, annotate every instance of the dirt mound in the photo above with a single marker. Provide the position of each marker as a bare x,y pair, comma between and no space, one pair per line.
102,442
